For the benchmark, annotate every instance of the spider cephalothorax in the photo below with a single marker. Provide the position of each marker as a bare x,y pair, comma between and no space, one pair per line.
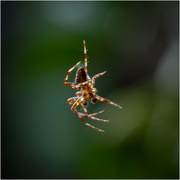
87,92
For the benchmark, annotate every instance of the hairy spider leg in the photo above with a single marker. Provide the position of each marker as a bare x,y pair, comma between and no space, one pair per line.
72,99
85,59
90,115
90,125
75,111
97,75
78,93
65,81
85,55
73,108
98,119
85,110
107,101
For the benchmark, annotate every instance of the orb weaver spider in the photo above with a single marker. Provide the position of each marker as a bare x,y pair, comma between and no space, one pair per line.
85,84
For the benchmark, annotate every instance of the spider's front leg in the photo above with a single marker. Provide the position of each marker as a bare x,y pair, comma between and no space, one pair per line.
65,81
85,55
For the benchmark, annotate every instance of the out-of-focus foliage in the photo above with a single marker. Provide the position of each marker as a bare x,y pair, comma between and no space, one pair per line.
137,43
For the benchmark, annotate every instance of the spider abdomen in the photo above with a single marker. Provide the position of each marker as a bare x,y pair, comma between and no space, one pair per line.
80,75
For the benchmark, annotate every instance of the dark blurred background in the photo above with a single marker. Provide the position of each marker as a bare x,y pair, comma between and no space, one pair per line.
137,43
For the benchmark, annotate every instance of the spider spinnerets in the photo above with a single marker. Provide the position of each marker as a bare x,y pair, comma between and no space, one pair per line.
87,92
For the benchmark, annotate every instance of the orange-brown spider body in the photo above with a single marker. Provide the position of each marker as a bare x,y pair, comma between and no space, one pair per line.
87,92
86,89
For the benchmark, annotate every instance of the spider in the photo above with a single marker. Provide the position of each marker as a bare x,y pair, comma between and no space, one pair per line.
87,92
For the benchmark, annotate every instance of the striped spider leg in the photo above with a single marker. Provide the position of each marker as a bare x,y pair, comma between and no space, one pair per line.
65,81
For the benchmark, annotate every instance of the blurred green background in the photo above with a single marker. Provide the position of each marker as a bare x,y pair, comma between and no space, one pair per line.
137,43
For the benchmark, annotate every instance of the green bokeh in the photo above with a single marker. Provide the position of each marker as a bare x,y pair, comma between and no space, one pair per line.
137,43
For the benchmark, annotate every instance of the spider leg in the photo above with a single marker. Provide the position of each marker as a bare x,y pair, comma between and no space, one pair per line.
97,119
97,75
85,55
72,99
65,81
107,101
85,110
85,59
73,108
90,125
78,94
91,116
